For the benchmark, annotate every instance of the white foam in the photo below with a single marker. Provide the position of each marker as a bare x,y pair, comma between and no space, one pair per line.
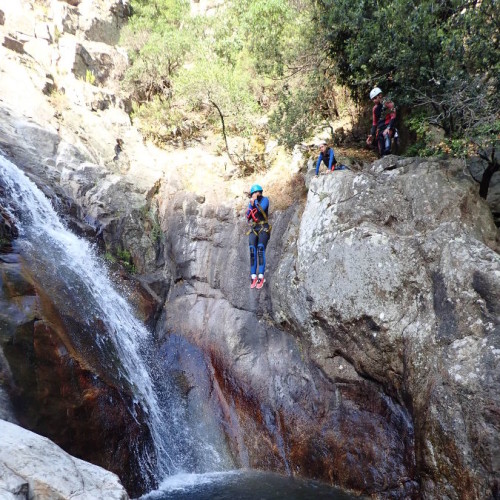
187,481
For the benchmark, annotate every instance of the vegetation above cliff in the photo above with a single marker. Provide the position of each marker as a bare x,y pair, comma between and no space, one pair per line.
288,59
229,69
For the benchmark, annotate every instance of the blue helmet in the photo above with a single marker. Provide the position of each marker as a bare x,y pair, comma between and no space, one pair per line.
255,188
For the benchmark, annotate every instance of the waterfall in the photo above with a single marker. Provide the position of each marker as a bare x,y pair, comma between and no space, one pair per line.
66,263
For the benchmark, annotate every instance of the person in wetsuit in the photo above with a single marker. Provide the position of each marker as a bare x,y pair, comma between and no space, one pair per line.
258,237
327,156
383,122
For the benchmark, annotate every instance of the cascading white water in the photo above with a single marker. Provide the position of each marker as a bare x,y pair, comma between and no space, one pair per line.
70,265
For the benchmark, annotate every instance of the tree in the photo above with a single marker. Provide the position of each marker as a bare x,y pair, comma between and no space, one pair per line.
222,67
437,57
265,24
225,91
157,46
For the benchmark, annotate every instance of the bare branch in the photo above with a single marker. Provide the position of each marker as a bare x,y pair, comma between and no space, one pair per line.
214,104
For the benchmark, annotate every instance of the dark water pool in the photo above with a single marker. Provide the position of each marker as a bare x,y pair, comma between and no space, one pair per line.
243,485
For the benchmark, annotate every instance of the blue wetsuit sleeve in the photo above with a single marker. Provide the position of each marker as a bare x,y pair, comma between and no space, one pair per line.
331,161
264,203
318,163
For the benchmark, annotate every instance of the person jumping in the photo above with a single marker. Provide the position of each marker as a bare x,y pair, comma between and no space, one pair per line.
258,236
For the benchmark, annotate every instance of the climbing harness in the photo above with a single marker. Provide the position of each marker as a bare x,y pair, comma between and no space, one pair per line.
253,214
258,225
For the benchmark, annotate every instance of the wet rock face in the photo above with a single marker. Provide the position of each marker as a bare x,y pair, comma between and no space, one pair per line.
115,210
391,276
370,359
54,389
284,412
8,230
65,120
346,433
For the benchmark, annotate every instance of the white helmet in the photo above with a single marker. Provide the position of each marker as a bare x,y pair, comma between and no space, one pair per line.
374,93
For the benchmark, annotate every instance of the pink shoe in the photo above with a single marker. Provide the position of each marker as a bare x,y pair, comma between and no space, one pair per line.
260,283
254,282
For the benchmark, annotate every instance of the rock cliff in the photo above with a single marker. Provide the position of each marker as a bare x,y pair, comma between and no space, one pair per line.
371,359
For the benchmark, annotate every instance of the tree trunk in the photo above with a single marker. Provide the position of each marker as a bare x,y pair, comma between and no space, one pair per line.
492,167
223,126
485,181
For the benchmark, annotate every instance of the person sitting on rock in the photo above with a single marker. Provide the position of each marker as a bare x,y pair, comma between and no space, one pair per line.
258,236
383,122
327,156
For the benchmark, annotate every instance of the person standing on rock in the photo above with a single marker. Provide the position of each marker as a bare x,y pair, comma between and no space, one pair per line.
327,156
383,122
258,236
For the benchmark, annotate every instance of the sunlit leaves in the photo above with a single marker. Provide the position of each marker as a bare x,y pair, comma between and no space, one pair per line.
223,62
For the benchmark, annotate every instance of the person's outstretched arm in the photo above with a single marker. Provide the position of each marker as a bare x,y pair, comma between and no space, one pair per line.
331,161
318,163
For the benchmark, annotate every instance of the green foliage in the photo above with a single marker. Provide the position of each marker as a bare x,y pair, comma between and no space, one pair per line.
158,46
125,259
110,257
264,25
154,65
438,57
474,143
419,125
228,41
292,119
217,67
221,85
156,232
157,16
152,222
158,121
